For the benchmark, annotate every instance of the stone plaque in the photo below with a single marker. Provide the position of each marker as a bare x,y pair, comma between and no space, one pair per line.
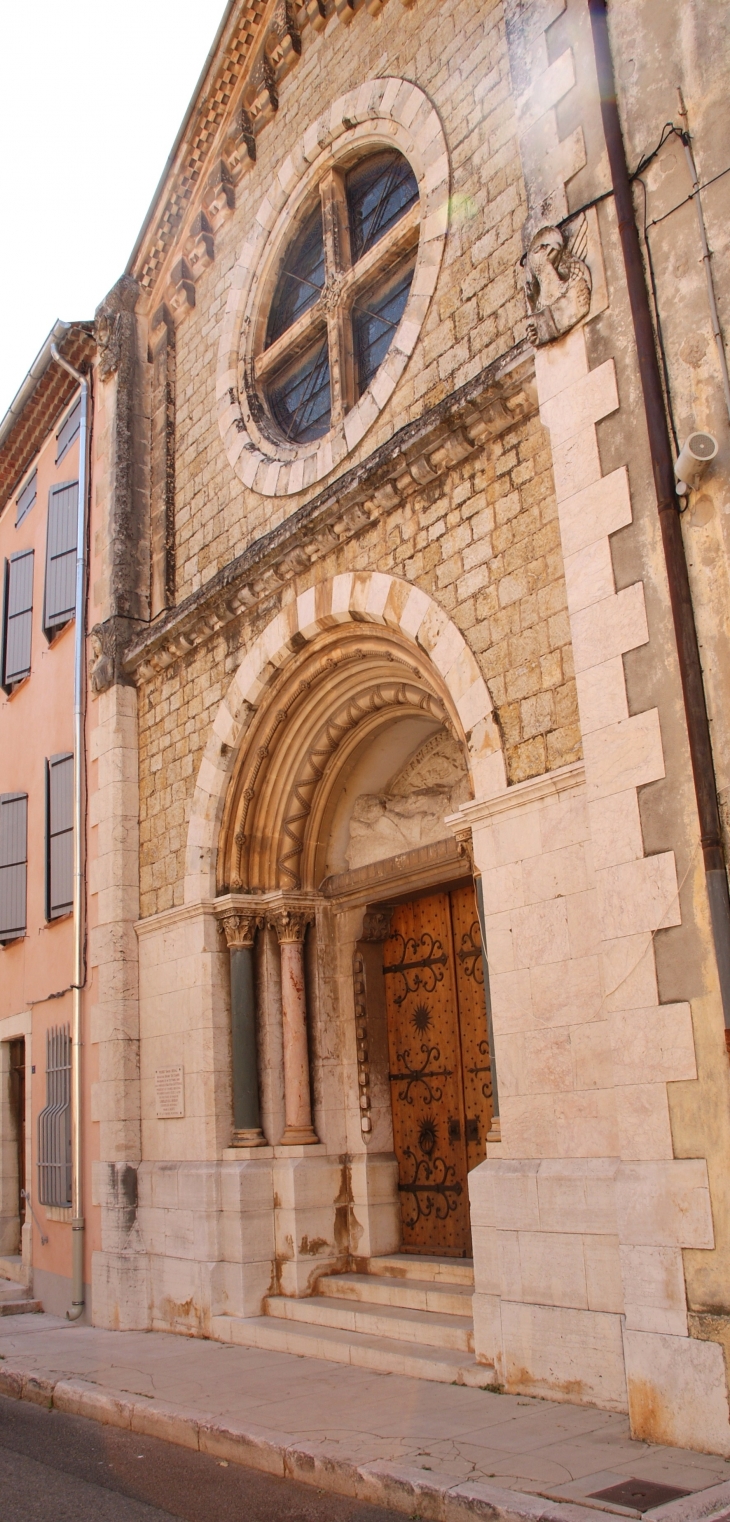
169,1093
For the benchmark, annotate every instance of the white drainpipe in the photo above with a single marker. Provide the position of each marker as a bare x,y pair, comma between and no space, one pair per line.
77,1223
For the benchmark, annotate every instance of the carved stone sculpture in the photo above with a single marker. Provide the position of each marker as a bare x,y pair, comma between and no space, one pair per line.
557,282
113,323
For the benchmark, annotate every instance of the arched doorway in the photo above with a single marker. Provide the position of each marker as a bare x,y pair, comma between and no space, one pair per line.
351,765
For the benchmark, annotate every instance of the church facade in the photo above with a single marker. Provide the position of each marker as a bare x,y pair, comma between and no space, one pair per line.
403,1025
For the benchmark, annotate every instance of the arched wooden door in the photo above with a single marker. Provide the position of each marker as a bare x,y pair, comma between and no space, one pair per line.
440,1073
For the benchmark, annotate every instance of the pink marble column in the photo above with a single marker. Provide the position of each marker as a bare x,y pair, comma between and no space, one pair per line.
291,925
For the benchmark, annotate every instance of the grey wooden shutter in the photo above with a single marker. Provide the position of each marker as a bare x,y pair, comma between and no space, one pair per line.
18,617
68,431
59,835
13,863
26,498
60,596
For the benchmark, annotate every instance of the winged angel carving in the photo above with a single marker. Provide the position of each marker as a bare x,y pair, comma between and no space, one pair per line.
557,282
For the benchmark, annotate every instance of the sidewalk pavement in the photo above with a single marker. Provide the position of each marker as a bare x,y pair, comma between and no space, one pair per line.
442,1452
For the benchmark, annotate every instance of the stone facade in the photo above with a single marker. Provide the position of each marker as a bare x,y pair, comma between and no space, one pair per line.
473,556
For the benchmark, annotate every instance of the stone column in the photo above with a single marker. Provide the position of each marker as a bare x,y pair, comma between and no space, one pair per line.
240,929
291,925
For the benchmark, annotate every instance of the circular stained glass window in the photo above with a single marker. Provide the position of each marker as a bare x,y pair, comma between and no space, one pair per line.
339,295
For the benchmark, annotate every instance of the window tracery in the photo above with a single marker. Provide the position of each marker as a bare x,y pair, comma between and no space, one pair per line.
340,295
332,286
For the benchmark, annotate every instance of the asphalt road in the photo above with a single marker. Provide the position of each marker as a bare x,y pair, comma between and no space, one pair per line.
56,1468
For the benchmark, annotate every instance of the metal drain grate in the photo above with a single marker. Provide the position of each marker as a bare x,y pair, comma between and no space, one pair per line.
640,1495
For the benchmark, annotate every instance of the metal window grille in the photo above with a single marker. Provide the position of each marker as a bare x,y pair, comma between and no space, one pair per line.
68,431
54,1122
26,498
17,617
60,598
59,835
13,864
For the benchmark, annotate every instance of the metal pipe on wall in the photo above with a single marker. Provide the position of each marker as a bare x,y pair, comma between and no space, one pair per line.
690,666
79,752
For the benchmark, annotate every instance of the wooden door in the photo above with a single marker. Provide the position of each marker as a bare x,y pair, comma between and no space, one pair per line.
439,1065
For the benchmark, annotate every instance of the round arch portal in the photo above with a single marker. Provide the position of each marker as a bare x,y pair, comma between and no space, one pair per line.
314,682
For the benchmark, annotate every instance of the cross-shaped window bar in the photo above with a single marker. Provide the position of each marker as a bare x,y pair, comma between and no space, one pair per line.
340,294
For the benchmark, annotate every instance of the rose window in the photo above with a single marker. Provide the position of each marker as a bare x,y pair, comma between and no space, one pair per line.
339,295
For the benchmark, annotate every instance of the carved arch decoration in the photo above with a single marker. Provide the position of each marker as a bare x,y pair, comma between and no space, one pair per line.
388,112
340,660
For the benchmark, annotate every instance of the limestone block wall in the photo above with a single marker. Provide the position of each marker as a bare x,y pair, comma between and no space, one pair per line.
585,1049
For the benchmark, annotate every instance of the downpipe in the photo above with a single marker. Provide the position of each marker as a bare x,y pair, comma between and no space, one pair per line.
79,753
690,665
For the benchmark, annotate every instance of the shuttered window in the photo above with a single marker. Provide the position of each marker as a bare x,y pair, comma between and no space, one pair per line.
17,618
13,859
68,431
26,498
59,835
61,556
54,1122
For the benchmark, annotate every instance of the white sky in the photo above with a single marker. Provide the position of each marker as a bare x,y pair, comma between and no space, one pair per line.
92,93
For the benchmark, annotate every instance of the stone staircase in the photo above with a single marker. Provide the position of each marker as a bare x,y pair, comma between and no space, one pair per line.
404,1315
15,1297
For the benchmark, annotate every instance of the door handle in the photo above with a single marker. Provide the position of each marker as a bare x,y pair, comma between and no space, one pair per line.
454,1130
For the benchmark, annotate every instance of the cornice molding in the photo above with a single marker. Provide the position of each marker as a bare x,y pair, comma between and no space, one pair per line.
521,795
238,98
417,457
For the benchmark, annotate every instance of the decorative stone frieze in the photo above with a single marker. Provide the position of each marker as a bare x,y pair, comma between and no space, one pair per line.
219,196
199,244
180,290
266,58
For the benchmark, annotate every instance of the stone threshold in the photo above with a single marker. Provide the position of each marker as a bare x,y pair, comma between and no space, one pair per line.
382,1482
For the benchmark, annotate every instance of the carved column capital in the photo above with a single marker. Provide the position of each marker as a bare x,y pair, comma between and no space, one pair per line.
465,846
290,923
239,927
376,923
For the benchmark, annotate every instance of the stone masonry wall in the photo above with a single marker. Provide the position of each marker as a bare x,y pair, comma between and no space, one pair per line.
484,542
454,50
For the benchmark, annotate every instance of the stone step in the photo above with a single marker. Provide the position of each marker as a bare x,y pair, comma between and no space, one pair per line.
408,1294
422,1328
12,1267
14,1302
382,1354
402,1265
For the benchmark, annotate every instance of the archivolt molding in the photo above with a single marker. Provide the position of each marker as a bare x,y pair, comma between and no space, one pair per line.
418,662
381,112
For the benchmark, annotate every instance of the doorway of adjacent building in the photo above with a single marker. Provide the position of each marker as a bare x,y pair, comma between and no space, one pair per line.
440,1071
16,1074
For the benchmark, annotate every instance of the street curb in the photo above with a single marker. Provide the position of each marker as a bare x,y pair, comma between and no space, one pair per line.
382,1483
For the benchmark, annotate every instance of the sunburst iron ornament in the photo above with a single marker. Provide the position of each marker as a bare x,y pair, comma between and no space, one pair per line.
421,1018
